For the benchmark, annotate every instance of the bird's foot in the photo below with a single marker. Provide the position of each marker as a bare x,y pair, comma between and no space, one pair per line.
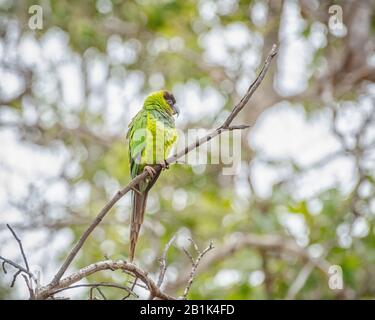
165,165
150,170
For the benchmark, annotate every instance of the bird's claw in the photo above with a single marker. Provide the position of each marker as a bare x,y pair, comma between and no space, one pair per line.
165,165
150,170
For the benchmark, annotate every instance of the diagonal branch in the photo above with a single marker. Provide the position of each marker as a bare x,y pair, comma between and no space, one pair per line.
224,127
236,110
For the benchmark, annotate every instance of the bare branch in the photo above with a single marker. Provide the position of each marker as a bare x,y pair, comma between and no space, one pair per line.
188,254
29,286
28,276
20,246
49,290
163,262
3,265
101,293
196,248
252,88
195,266
98,284
15,278
15,265
132,288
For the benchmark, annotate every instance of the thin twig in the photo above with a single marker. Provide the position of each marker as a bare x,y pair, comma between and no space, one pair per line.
163,262
21,269
194,245
91,292
252,88
29,286
95,285
134,284
15,278
132,288
4,269
188,254
17,266
101,293
20,246
194,268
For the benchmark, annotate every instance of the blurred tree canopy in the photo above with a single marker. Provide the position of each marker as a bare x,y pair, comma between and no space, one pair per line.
69,90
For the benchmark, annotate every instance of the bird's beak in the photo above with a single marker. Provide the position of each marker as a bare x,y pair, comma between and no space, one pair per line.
176,110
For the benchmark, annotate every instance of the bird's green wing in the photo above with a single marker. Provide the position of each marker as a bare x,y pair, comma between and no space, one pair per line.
137,141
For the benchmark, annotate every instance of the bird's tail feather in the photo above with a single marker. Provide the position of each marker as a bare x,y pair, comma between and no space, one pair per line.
139,201
139,206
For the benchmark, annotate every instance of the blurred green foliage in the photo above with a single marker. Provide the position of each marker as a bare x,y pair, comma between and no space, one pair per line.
211,208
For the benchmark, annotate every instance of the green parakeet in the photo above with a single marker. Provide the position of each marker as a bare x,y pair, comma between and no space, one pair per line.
151,135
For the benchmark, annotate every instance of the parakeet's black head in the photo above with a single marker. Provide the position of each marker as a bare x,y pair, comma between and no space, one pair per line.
171,100
162,99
